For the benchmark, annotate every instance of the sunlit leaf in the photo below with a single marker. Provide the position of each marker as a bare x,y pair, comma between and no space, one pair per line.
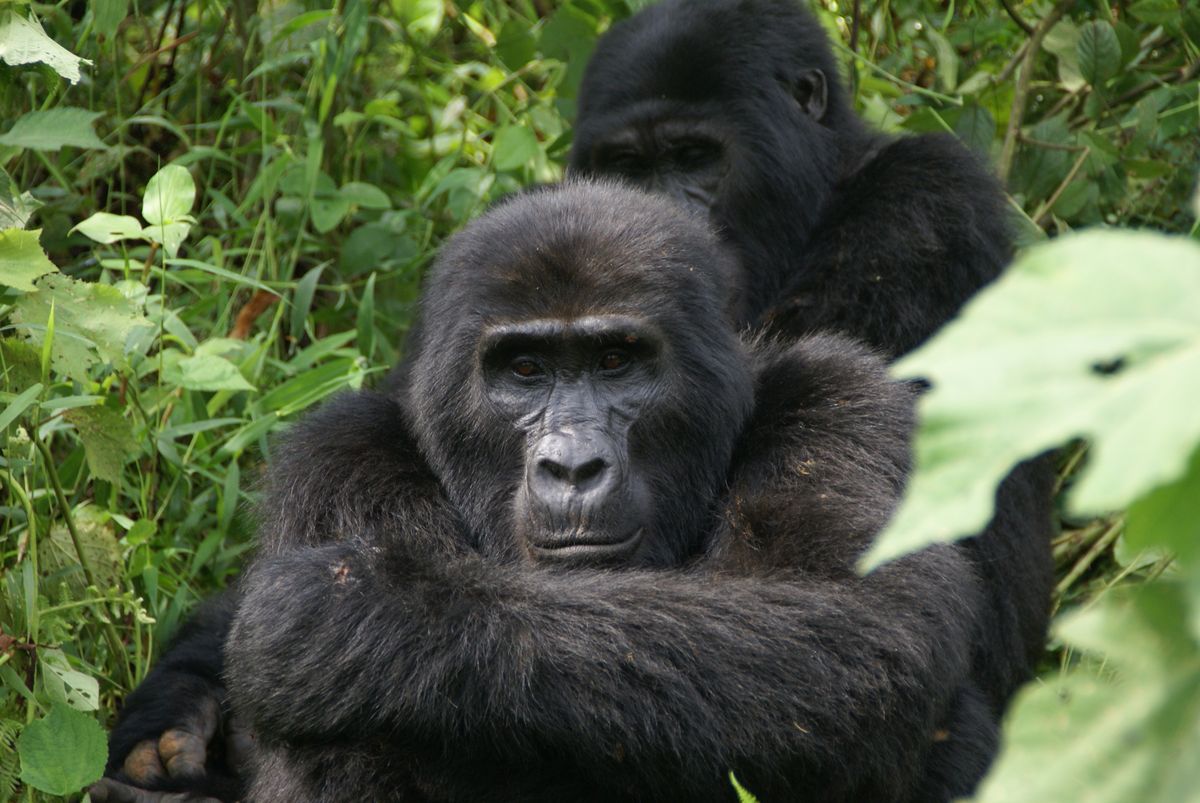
22,41
169,196
1094,335
104,227
22,259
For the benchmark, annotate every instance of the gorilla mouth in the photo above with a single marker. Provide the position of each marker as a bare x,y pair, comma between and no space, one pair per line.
587,547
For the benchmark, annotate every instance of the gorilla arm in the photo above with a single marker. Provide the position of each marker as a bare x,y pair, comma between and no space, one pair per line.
770,657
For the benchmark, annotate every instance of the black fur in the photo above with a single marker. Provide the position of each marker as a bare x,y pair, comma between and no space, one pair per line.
403,663
837,227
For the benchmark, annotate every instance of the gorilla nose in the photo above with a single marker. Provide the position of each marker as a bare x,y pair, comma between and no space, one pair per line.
570,467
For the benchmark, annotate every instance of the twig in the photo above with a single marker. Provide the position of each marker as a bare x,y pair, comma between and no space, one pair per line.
1082,565
1048,204
1017,18
1028,63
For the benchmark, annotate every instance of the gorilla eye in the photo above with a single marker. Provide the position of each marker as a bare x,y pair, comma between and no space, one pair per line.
626,162
614,360
526,368
694,154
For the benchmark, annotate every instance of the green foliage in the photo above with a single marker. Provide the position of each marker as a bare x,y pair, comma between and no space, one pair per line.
212,217
62,752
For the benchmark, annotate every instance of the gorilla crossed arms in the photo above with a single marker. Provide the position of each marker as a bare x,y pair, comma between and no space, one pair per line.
602,549
592,545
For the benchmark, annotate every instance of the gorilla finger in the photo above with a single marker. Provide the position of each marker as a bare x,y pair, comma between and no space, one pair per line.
143,764
184,749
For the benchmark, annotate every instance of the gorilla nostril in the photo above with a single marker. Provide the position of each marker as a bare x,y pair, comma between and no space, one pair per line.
589,470
555,470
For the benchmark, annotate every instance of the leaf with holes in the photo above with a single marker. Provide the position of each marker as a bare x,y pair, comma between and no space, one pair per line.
1094,335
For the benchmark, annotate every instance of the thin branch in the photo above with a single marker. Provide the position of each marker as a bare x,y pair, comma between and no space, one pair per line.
1049,203
1017,18
1028,63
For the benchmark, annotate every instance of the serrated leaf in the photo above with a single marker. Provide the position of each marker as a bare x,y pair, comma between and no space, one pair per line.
93,322
99,542
1114,740
1094,335
207,372
1098,52
513,146
23,41
62,752
53,129
22,259
107,440
104,227
169,196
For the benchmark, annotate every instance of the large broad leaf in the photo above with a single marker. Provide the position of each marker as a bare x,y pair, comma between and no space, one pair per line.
1132,737
1094,335
92,322
169,196
206,372
107,439
63,752
22,259
23,41
1098,52
105,227
52,129
513,147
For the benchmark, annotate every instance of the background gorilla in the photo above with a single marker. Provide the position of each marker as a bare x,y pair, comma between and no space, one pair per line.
640,574
734,108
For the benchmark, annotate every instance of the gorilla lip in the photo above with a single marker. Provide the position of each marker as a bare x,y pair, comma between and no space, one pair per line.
589,547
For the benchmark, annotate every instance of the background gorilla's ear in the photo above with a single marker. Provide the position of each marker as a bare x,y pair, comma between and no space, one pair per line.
811,92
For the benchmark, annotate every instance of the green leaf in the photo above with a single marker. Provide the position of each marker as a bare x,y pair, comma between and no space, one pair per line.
62,752
104,227
327,211
169,196
107,440
1098,52
99,543
1112,740
92,322
64,684
1155,12
169,235
516,45
368,196
53,129
365,324
743,794
1063,42
15,207
20,404
22,259
513,147
421,18
108,15
207,372
1169,516
1094,335
23,41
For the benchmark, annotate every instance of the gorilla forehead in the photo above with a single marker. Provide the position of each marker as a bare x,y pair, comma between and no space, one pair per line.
582,248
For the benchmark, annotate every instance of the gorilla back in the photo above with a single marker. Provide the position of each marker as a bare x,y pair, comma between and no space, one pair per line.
640,574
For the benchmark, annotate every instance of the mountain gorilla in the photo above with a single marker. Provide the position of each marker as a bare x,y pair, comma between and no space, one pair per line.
615,562
734,108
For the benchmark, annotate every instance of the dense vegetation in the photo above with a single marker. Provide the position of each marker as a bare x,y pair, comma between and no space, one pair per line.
213,215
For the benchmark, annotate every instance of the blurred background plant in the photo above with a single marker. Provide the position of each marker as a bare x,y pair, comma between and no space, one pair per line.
213,215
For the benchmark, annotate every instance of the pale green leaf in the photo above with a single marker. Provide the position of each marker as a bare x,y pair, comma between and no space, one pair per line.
513,147
66,684
105,227
169,235
22,259
23,41
62,752
93,322
52,129
99,542
368,196
15,207
107,439
422,18
1110,739
207,372
1094,335
169,196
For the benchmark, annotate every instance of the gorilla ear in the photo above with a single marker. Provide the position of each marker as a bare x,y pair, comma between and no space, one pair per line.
811,93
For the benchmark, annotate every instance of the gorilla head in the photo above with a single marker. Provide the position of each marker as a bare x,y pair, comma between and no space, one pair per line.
575,351
730,106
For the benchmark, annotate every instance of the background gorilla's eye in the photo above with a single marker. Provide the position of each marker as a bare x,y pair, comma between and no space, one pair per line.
614,360
694,153
525,367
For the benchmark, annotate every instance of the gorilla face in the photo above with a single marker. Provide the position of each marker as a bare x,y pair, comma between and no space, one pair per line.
585,369
574,388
